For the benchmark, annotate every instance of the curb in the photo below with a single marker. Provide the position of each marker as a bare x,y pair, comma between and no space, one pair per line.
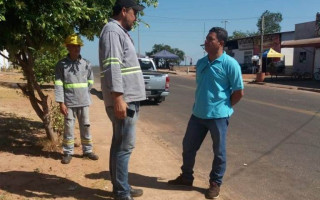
249,81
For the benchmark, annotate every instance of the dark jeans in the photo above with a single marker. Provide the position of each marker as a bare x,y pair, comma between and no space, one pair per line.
196,132
123,142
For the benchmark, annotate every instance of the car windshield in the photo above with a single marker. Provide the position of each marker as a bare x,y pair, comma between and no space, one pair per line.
146,65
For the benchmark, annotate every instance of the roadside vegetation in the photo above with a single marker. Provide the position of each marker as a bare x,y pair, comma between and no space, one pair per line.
33,32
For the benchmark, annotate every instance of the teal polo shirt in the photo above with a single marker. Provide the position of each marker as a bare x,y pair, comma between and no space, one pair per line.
216,81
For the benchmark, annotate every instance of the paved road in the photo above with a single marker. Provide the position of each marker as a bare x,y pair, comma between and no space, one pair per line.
273,140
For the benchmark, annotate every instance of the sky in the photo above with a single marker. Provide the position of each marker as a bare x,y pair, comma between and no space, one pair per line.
184,24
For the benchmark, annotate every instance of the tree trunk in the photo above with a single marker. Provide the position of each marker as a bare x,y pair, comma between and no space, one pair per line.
37,98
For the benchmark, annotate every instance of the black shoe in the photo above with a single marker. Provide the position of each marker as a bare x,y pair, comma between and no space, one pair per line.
91,156
213,191
124,198
66,159
180,180
136,192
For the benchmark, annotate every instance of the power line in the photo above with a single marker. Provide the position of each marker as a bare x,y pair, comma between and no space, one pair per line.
220,19
200,19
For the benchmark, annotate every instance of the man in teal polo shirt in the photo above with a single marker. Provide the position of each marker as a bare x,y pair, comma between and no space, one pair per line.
219,88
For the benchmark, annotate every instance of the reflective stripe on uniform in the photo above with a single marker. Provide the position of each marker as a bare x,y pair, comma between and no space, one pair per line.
130,70
90,81
58,82
109,61
68,142
76,85
85,141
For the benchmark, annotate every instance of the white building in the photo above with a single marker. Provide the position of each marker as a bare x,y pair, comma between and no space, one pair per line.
4,63
306,46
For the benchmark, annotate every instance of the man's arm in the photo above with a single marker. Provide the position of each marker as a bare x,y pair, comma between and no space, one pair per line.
59,89
236,96
90,76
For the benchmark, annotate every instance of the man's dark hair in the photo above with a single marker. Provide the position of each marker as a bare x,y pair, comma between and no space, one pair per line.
222,34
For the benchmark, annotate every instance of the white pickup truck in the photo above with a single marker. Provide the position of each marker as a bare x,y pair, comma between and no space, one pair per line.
157,83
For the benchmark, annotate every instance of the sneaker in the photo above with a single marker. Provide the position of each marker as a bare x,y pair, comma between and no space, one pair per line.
66,159
91,156
213,191
180,180
136,192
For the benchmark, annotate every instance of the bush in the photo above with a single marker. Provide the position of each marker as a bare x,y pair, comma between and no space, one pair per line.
57,119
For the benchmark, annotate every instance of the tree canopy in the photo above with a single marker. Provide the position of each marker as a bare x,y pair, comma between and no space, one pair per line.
159,47
33,32
271,25
272,22
240,34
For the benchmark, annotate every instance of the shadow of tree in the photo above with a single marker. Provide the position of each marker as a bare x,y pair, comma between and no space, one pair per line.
146,181
38,185
19,135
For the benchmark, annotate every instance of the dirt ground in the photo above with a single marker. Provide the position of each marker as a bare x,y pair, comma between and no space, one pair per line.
31,170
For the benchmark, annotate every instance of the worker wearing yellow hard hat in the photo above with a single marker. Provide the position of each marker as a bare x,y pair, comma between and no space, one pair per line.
73,39
73,43
73,81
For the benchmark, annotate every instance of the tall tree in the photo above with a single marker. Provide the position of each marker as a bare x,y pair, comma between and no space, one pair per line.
159,47
271,22
32,31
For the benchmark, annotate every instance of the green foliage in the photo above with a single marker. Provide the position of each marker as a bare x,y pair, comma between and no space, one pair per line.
57,118
240,34
45,62
2,11
40,27
33,31
271,22
159,47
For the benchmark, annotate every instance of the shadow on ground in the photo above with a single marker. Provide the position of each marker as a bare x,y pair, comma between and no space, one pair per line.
44,186
19,135
139,180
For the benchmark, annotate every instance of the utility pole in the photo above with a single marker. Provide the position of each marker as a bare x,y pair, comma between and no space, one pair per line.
204,36
261,43
225,23
139,40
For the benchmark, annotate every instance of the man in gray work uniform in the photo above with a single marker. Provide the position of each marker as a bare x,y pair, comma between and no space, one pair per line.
73,80
123,88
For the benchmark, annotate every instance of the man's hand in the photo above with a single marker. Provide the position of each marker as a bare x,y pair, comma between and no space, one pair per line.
63,109
120,106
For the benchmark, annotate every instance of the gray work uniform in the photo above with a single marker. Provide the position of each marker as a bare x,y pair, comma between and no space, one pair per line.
121,73
119,66
73,81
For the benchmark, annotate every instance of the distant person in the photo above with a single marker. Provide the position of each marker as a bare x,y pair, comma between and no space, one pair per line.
73,80
219,88
123,88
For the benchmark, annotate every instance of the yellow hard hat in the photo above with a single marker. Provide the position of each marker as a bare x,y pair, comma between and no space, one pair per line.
73,39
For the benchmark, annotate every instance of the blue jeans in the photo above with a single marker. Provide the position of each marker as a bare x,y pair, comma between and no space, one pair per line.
123,142
196,132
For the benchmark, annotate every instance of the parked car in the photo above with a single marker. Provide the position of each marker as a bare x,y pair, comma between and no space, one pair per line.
157,83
